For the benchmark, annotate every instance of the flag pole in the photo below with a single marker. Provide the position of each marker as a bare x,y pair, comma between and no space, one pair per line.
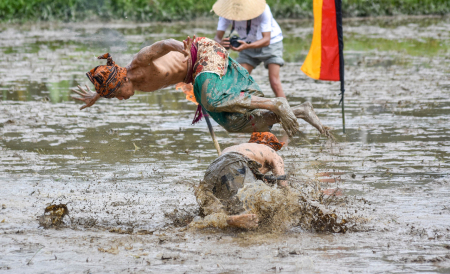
211,130
343,108
338,4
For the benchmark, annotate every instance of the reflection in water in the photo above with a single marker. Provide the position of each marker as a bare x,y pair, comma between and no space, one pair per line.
58,91
363,136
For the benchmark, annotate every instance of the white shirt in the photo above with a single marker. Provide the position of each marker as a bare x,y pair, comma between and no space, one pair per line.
260,24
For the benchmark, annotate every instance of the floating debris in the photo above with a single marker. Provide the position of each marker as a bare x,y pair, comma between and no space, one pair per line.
180,218
121,231
53,216
113,250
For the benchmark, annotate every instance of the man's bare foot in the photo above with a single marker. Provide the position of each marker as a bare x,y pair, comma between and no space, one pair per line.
307,113
287,118
247,221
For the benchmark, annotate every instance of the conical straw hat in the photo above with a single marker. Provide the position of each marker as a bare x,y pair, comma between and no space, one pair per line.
239,10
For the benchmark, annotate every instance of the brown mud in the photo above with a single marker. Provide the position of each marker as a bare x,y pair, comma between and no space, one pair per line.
127,170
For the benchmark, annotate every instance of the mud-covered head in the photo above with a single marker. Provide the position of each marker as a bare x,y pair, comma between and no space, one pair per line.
107,79
266,138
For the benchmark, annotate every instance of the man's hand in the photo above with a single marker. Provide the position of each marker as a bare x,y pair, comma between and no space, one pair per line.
187,48
88,97
243,46
225,42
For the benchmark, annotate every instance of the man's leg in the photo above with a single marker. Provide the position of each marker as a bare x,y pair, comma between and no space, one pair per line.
247,221
274,79
281,108
306,112
209,204
263,120
248,67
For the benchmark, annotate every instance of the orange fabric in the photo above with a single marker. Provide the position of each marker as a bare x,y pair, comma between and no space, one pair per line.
266,138
107,79
188,89
311,66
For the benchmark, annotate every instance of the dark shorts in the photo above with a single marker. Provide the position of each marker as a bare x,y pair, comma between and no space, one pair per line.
272,54
223,179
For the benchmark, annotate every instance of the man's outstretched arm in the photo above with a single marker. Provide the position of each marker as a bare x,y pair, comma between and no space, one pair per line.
88,97
161,48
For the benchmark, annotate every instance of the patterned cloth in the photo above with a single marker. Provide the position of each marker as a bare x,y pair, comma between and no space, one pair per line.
222,87
207,56
107,79
227,98
266,138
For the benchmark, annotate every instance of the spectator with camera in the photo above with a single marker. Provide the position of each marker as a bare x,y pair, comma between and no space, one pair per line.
260,38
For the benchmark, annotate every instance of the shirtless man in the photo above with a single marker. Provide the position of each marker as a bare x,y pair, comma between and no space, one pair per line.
235,167
221,86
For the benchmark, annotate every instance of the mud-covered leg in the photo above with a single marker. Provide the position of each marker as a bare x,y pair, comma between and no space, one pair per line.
306,112
208,203
281,108
260,120
247,221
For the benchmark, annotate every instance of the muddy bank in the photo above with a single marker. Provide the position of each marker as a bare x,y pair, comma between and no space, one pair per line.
124,168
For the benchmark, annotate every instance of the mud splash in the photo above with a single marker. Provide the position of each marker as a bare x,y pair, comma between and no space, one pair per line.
53,216
282,208
304,204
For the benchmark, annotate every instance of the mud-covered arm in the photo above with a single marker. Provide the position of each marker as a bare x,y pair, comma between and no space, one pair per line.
277,164
161,48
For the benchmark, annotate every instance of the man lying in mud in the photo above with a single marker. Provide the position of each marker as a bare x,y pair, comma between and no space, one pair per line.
238,166
221,86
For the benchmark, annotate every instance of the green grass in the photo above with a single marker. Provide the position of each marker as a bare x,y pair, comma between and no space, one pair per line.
169,10
422,47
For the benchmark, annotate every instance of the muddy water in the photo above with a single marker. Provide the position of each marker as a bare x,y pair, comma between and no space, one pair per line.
126,169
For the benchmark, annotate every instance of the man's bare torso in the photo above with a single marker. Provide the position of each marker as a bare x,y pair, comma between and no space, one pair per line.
266,156
159,73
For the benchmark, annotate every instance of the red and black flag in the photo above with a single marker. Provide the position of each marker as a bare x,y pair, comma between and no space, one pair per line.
325,60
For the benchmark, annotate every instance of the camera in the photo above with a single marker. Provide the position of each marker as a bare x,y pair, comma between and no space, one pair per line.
234,41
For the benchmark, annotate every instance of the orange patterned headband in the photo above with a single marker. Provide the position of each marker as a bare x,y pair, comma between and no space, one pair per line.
107,79
266,138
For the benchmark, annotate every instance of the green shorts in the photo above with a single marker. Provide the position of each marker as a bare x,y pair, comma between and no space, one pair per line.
227,99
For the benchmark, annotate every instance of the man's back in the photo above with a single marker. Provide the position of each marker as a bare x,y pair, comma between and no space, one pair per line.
153,74
266,156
